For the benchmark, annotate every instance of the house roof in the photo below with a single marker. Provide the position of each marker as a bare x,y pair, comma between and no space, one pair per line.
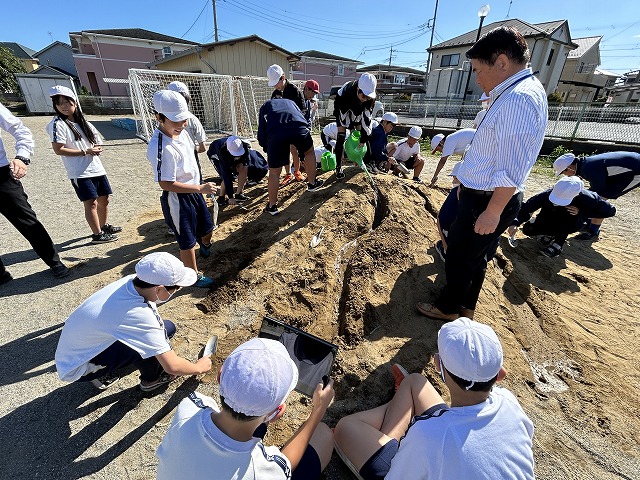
526,29
600,71
48,69
51,45
584,44
211,46
325,56
18,50
139,33
381,67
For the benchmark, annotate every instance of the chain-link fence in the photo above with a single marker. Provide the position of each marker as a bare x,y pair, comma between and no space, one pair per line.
222,103
615,122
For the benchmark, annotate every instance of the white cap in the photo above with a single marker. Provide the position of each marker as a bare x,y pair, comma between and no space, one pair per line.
367,83
470,350
162,268
257,377
274,74
566,190
435,141
172,105
62,90
415,132
178,87
484,97
235,146
562,162
390,117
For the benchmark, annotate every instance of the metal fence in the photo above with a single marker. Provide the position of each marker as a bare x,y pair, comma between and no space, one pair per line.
616,122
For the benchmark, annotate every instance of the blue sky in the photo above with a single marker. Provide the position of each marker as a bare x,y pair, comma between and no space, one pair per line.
308,25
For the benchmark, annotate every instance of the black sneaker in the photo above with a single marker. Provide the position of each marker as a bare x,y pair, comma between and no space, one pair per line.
103,237
222,201
588,235
314,186
545,240
205,250
339,174
107,228
60,270
241,197
105,381
272,209
5,277
417,179
552,250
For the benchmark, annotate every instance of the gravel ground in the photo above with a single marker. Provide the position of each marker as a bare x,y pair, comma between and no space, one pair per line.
50,429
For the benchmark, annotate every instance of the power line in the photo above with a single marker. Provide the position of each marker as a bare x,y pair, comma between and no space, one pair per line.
197,18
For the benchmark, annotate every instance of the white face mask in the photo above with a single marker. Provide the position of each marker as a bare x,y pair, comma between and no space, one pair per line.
158,301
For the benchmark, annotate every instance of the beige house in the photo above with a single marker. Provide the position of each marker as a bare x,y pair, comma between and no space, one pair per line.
581,80
626,89
549,45
245,56
24,54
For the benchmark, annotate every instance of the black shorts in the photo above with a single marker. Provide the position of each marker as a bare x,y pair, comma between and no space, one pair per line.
91,188
188,216
279,148
411,162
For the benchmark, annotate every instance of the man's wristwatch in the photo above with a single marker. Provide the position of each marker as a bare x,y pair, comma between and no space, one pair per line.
24,160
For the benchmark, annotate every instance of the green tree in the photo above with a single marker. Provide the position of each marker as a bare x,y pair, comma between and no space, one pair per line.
9,65
554,97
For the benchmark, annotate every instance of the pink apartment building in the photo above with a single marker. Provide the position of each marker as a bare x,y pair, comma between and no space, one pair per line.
327,69
103,57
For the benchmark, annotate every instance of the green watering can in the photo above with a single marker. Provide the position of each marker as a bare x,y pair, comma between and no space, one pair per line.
328,161
352,149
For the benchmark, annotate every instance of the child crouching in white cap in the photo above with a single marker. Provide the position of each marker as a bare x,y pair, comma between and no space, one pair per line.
207,441
484,434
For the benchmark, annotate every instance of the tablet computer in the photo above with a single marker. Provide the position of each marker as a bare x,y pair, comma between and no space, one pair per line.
312,355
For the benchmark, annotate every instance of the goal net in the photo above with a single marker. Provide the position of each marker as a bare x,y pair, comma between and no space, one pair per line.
222,103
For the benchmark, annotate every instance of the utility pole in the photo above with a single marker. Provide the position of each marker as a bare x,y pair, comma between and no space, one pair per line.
215,20
390,55
433,29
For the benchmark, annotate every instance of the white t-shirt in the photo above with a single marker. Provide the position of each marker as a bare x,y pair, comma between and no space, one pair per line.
457,142
404,152
488,441
175,162
195,449
86,166
115,313
479,116
196,131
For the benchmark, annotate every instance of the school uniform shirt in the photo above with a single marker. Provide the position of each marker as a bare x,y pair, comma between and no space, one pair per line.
196,449
278,118
404,152
479,117
224,162
117,312
456,142
173,159
610,174
507,143
291,92
196,131
24,139
377,151
86,166
490,440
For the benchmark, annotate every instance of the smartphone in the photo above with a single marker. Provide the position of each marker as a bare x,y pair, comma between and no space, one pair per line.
313,356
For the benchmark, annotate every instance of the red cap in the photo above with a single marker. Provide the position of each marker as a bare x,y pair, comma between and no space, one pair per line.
313,86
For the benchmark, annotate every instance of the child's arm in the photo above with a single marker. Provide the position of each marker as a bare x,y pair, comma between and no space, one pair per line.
178,187
60,149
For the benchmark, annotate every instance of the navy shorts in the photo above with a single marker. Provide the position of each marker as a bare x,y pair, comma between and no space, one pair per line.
91,188
411,162
278,148
188,216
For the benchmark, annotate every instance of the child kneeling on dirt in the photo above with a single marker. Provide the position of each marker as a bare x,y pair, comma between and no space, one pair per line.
176,170
407,154
484,434
208,441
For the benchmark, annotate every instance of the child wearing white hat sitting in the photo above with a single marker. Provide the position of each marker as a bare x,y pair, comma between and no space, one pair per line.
209,441
484,434
407,154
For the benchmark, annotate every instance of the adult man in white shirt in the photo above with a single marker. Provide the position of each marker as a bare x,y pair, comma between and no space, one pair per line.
453,144
495,167
13,201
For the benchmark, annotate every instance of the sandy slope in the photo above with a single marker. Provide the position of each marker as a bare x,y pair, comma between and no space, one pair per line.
568,325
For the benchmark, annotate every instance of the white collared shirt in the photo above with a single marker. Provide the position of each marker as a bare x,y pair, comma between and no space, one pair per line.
507,143
15,127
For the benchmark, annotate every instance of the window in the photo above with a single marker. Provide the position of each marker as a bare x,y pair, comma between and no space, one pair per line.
550,56
341,69
450,60
166,51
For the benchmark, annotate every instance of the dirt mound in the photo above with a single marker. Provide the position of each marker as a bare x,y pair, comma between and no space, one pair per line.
567,324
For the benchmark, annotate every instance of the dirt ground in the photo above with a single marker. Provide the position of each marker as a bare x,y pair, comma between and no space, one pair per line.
568,324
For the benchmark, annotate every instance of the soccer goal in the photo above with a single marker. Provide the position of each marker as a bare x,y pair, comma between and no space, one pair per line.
222,103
